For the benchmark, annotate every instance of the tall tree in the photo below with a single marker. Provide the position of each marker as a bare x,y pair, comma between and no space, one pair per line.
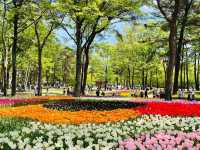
90,18
5,47
183,22
170,10
47,20
17,5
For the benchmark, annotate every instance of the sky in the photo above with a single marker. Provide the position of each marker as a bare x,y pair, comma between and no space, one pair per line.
108,36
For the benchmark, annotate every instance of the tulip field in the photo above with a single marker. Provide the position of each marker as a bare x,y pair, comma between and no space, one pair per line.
65,123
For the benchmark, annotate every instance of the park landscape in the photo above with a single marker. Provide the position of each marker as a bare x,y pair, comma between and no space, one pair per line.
99,75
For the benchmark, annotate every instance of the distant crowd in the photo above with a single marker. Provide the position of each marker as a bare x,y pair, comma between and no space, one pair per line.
156,93
136,92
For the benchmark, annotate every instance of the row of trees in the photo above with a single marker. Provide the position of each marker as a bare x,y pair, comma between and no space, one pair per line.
26,29
180,16
173,34
28,37
28,24
140,57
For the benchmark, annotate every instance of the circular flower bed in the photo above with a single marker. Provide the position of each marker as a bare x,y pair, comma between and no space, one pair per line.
37,112
91,105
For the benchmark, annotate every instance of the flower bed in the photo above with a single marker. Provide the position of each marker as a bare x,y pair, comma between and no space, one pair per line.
163,140
34,100
180,108
38,112
101,125
91,105
6,102
36,135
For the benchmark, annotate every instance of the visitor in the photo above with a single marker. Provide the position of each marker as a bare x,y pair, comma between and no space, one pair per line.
193,94
64,91
141,93
146,93
102,93
182,94
162,94
190,94
68,91
113,94
154,93
47,92
179,93
35,90
135,93
97,92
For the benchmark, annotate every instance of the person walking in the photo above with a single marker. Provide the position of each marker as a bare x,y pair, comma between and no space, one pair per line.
179,93
97,92
47,92
141,93
193,93
35,90
154,93
190,94
135,93
64,91
146,93
182,94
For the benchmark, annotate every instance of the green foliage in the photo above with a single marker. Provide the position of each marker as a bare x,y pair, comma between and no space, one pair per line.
8,124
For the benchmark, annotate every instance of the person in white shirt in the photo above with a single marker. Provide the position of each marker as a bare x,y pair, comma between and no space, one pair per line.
179,93
190,94
35,90
193,94
182,94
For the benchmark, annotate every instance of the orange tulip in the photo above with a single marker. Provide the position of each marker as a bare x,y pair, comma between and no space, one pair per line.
38,112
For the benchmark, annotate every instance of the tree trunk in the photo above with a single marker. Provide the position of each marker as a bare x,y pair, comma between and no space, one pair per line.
5,52
79,50
14,53
182,71
85,71
171,62
26,77
146,79
195,70
77,88
8,77
106,78
65,72
117,81
4,68
198,67
54,74
165,72
39,76
82,71
184,77
187,75
157,82
129,77
143,78
133,75
150,80
180,44
47,77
